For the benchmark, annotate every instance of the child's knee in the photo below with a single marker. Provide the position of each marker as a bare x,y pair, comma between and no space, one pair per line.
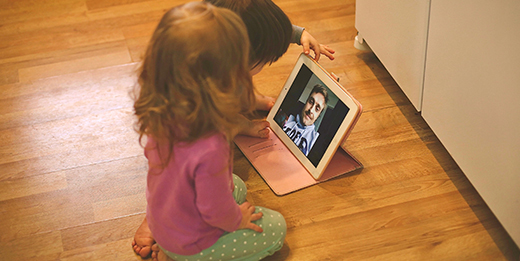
273,223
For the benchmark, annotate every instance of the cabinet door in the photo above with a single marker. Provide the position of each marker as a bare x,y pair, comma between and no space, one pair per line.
396,31
472,96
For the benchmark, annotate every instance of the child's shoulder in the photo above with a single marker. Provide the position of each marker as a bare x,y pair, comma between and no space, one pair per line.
212,140
213,148
208,144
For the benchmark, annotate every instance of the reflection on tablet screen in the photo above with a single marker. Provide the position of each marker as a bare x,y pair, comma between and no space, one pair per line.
311,114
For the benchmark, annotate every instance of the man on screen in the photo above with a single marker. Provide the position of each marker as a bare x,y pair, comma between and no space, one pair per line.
300,129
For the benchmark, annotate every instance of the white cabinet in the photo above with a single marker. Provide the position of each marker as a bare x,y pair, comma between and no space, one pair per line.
396,30
459,64
472,96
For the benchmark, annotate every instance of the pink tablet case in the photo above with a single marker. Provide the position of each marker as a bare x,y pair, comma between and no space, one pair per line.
282,171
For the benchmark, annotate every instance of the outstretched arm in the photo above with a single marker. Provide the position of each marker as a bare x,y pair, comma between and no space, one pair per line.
308,42
302,37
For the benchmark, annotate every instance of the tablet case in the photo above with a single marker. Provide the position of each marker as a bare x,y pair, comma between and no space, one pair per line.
282,171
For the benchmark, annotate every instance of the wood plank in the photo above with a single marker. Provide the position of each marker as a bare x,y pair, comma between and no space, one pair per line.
136,10
17,188
68,143
42,213
443,250
115,16
353,201
120,78
23,10
56,38
29,248
62,55
119,207
137,47
320,12
53,137
102,252
55,69
137,38
289,6
88,187
100,232
357,238
8,75
97,4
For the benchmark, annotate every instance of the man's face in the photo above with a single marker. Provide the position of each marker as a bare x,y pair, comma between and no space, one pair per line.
312,109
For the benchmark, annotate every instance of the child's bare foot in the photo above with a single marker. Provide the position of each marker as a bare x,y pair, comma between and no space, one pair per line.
264,103
257,128
155,252
159,255
143,240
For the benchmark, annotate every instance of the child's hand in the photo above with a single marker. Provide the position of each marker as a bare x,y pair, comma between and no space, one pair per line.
249,215
264,103
256,128
308,42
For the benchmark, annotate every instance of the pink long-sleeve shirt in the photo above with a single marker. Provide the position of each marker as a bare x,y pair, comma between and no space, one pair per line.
190,202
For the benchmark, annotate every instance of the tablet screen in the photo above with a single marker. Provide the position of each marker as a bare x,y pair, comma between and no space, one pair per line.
310,115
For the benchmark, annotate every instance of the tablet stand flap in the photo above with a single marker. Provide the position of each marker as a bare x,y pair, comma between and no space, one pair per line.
281,170
341,163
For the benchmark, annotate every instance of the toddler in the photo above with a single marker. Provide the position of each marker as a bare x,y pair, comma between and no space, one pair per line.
270,33
194,82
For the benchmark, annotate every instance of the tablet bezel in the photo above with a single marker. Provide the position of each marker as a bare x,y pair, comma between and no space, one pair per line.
344,128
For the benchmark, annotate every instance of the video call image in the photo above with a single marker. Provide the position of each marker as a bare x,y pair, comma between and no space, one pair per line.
310,115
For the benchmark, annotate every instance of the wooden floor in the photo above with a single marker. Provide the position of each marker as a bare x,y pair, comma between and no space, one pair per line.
72,174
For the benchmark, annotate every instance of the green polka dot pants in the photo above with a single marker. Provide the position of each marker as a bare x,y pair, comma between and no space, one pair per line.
244,244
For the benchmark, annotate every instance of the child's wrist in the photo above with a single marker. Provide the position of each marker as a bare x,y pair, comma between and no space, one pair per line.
297,34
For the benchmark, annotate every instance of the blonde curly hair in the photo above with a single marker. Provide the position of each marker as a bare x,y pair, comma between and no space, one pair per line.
194,80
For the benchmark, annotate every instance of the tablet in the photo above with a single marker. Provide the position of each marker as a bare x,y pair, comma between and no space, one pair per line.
313,115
